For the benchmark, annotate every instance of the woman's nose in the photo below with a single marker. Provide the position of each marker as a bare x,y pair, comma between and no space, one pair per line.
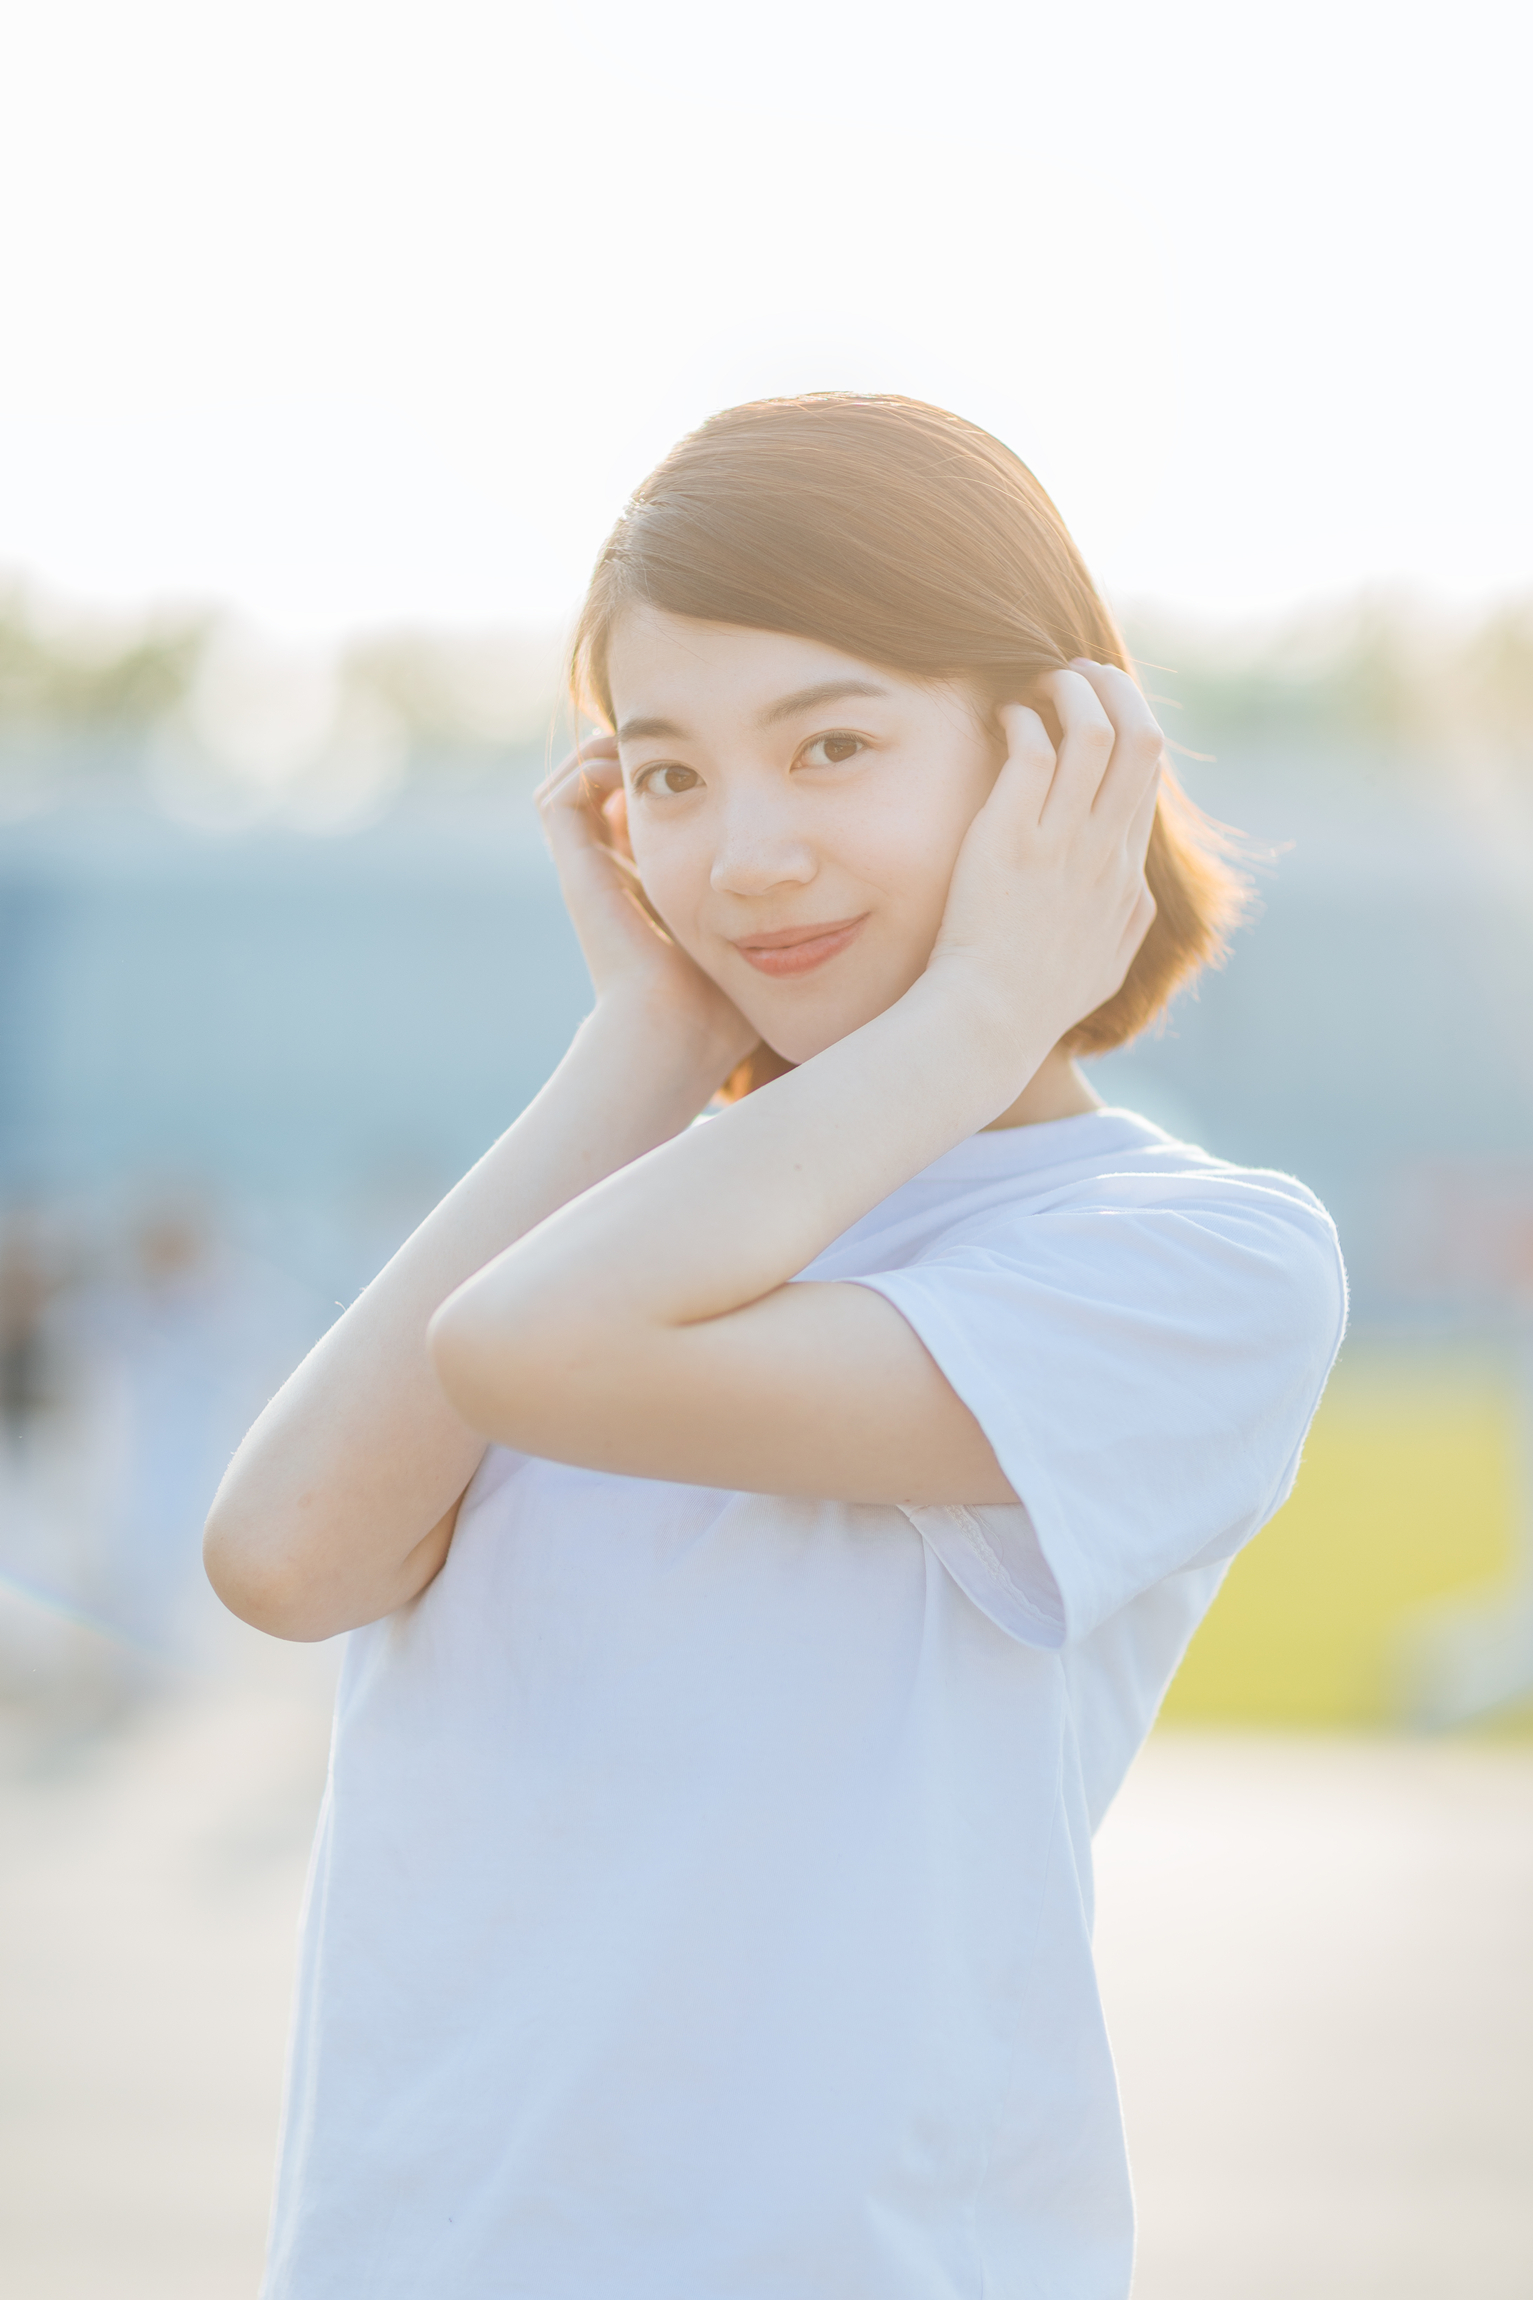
754,855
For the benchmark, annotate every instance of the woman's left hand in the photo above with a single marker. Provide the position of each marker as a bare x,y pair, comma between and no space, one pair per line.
1048,903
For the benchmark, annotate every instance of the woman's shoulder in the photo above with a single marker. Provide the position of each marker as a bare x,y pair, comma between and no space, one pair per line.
1110,1204
1111,1159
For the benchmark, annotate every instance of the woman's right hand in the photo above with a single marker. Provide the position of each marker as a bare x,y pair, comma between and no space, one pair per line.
626,948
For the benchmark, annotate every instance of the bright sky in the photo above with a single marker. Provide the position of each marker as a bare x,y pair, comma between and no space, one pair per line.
349,310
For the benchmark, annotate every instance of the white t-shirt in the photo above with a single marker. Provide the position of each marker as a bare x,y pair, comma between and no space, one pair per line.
701,1908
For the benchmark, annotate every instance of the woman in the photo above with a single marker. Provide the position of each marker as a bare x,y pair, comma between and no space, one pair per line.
767,1541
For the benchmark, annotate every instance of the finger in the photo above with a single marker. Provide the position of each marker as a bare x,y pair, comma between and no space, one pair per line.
582,795
1029,767
1140,921
1138,743
594,760
1142,821
594,746
585,845
575,804
1085,748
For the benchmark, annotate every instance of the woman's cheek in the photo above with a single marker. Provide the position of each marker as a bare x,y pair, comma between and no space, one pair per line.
669,890
912,866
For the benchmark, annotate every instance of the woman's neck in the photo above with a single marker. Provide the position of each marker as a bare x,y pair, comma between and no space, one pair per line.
1055,1090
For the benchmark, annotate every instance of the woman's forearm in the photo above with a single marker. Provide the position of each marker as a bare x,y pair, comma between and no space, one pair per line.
727,1215
338,1505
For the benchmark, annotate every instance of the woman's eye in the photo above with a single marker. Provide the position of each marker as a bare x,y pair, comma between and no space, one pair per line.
830,750
673,780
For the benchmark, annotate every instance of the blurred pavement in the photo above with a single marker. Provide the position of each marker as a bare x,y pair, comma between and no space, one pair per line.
1317,1957
1317,1953
149,1890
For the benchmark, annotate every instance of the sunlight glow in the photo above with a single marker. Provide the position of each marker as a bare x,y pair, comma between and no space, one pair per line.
347,313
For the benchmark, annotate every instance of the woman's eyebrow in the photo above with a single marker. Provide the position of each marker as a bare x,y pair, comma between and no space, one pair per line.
808,698
786,707
651,731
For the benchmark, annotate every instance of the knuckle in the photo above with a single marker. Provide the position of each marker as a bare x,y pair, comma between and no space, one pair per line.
1030,744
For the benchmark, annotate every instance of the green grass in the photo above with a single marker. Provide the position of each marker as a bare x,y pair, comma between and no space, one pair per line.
1408,1493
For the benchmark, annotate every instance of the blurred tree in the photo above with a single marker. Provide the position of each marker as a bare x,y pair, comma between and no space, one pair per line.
463,691
73,672
1382,679
1496,675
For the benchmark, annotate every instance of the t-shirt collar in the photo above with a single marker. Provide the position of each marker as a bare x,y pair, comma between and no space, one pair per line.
1051,1142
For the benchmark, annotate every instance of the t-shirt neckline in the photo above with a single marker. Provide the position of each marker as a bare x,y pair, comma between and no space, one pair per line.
1048,1142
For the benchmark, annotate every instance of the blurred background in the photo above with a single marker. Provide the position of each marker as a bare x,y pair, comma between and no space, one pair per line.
333,340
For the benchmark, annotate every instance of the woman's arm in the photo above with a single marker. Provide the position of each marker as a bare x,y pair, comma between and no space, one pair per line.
650,1327
340,1504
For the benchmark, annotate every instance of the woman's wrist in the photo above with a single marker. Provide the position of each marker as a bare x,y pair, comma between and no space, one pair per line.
646,1038
995,1029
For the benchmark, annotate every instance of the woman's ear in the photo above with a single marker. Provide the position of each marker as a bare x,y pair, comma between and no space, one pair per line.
615,815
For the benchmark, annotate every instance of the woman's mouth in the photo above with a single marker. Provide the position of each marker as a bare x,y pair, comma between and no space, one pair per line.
799,949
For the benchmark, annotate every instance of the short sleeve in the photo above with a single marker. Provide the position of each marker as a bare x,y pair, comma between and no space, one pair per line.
1145,1373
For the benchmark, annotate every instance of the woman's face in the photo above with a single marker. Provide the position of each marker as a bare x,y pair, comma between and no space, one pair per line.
794,813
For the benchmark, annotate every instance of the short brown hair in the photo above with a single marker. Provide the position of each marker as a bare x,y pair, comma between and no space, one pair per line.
908,538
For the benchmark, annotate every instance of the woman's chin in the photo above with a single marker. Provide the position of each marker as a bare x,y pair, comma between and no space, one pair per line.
800,1037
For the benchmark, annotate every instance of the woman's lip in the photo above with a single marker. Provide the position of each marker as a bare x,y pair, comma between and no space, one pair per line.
798,949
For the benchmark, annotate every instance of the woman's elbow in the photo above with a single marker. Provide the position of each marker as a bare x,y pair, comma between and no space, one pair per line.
256,1582
476,1361
510,1368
